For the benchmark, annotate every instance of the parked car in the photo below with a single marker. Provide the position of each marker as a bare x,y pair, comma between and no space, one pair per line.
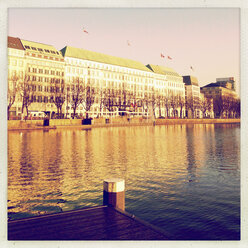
37,114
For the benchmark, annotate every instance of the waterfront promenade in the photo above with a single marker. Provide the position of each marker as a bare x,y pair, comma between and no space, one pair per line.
114,122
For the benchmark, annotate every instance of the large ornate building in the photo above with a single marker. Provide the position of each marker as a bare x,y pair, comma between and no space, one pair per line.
78,82
192,96
109,85
16,71
125,81
37,66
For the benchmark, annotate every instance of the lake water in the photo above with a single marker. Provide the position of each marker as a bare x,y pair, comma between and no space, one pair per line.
184,179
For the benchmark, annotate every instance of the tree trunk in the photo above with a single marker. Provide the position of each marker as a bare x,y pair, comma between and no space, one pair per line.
74,113
27,110
8,112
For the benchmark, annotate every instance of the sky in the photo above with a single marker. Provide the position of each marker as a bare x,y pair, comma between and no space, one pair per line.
208,39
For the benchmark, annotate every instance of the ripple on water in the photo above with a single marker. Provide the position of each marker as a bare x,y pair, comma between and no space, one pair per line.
183,178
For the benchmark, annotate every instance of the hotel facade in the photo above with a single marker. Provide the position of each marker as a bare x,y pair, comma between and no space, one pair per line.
78,82
116,85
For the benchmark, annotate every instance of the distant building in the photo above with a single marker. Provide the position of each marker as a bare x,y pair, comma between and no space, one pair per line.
169,92
118,84
192,96
35,66
224,98
44,67
91,84
228,83
16,71
206,106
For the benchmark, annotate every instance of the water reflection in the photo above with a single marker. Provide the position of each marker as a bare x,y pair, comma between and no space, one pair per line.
167,169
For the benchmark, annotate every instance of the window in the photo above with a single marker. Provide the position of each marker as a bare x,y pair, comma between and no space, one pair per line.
13,73
39,49
28,47
14,62
47,51
33,48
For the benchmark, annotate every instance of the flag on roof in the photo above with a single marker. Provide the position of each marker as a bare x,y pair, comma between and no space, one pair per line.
162,56
128,43
169,57
191,68
85,31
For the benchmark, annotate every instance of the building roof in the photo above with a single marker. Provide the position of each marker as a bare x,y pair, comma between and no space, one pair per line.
162,70
15,43
190,80
79,53
217,84
226,79
211,85
215,87
40,48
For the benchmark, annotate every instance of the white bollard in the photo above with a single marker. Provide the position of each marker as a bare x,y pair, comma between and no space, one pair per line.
114,193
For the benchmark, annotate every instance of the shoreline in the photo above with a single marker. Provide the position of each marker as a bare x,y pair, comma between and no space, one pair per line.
29,125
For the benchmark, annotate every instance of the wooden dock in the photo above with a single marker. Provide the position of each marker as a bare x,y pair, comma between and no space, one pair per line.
107,222
96,223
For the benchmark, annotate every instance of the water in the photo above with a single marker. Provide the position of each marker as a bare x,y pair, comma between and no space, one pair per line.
184,179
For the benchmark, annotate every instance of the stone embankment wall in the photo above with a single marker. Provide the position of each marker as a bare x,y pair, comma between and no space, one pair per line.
195,121
102,122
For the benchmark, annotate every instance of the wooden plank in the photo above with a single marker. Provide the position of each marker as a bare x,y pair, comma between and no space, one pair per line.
100,223
56,219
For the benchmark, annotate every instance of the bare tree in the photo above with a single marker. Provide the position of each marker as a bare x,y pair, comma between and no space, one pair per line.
145,102
133,100
174,103
27,93
12,92
167,104
153,101
125,97
89,98
219,106
100,97
77,94
108,101
206,105
235,108
159,102
181,104
58,94
68,95
192,104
